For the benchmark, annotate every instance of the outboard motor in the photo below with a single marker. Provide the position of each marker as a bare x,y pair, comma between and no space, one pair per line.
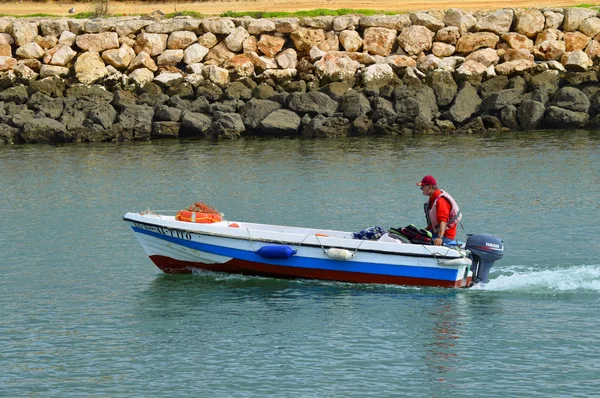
485,251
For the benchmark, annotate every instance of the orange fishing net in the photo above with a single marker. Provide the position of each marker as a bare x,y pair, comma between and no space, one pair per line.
202,207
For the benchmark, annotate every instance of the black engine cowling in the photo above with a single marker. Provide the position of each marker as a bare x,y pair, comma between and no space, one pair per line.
485,251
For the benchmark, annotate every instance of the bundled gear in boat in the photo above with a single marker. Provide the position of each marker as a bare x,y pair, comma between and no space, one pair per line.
199,212
371,233
412,234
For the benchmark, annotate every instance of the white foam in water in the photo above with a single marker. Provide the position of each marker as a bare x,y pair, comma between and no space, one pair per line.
531,278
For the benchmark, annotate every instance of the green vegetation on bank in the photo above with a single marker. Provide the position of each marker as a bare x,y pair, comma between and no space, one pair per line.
319,12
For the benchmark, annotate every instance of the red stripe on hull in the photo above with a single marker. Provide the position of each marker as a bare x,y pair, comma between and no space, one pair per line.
235,266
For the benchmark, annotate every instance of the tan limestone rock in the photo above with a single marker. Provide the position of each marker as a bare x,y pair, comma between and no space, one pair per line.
575,41
270,45
24,32
497,22
181,39
576,61
517,41
241,65
235,40
514,67
219,53
53,70
351,40
287,59
306,38
530,22
151,43
195,53
473,41
169,57
119,58
97,42
61,55
379,41
449,35
30,50
415,39
208,40
143,60
485,56
90,68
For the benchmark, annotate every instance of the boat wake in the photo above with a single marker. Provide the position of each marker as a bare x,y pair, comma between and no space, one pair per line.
557,279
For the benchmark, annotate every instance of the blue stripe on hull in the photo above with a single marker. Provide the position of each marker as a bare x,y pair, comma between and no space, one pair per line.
449,274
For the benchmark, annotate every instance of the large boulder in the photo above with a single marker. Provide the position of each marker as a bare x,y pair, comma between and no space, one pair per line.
530,114
89,68
313,103
572,99
281,123
444,86
306,38
379,41
256,110
497,22
354,105
501,99
466,104
563,118
43,130
226,125
51,107
98,42
137,120
195,124
473,41
415,40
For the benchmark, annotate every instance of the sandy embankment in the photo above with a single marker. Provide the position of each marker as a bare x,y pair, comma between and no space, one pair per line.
218,7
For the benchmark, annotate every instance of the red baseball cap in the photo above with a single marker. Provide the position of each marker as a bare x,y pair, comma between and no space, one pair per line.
427,180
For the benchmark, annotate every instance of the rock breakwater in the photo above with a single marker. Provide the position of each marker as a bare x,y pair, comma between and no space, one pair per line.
438,72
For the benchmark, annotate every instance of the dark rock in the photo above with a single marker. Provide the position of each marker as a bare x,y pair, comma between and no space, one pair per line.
467,103
199,105
177,102
491,122
594,123
8,134
150,88
103,114
138,120
297,86
165,130
43,131
336,90
281,98
443,85
508,117
313,103
72,118
563,118
386,91
194,124
210,91
152,100
226,125
475,126
123,99
530,114
184,90
263,91
426,101
502,99
166,113
12,109
595,102
254,111
238,90
493,85
281,122
248,82
590,90
547,81
91,93
517,83
578,78
17,94
225,107
572,99
97,133
384,127
541,96
327,127
361,125
354,105
371,91
21,118
382,109
425,126
51,86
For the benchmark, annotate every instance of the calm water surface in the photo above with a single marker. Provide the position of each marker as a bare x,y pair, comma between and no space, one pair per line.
85,313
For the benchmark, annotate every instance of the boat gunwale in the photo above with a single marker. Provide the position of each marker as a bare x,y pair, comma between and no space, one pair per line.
266,240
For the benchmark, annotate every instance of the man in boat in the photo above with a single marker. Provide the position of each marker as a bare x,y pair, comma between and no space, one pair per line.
441,211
